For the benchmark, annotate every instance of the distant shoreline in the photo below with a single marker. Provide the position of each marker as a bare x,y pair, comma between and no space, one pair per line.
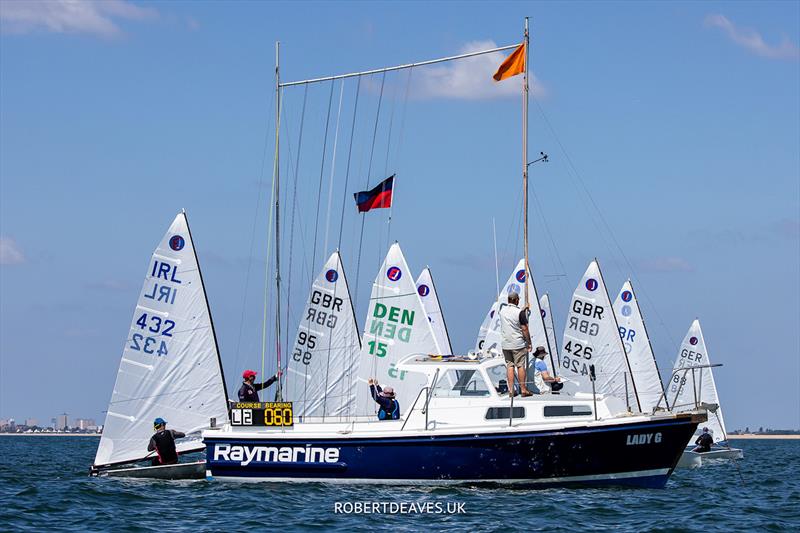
50,434
748,436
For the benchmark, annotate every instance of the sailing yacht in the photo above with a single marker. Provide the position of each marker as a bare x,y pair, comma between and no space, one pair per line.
457,422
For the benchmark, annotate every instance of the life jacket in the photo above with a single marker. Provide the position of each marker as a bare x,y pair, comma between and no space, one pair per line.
383,414
165,447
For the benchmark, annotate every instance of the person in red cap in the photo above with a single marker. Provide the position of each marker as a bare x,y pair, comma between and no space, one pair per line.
248,392
389,407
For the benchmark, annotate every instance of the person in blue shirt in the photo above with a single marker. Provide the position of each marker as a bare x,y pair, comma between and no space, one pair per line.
389,407
541,375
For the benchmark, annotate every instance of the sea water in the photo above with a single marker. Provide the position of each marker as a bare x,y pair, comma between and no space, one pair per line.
44,486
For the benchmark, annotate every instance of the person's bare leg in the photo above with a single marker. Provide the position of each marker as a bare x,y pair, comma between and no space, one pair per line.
510,379
523,384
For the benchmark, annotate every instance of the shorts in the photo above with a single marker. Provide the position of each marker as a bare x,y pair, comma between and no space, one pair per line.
517,357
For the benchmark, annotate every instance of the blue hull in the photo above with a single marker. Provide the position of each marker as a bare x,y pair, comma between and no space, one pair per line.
642,455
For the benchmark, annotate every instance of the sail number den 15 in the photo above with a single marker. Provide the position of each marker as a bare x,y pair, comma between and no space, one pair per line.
262,414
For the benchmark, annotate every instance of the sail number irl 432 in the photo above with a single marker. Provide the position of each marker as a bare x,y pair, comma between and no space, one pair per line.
262,414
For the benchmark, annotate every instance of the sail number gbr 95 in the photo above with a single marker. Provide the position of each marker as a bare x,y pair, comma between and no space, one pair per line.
262,414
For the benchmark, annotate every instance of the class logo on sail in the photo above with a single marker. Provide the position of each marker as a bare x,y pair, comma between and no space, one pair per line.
394,273
331,275
423,290
176,242
627,296
520,276
591,284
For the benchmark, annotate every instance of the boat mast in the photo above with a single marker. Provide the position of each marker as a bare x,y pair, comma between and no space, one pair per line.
525,166
279,394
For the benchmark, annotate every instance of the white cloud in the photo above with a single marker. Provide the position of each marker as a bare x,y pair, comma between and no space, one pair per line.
470,78
666,264
70,16
10,253
752,40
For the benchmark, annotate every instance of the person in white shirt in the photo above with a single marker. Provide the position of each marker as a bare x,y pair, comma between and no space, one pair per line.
515,342
541,375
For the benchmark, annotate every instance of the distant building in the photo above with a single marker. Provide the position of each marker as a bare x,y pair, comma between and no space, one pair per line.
61,422
30,422
3,423
84,423
12,424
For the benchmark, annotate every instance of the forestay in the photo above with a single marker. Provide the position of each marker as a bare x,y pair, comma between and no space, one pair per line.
698,386
433,308
516,283
395,328
321,372
591,337
170,365
634,337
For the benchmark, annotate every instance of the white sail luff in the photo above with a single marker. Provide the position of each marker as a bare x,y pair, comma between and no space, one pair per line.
550,328
633,334
170,366
433,308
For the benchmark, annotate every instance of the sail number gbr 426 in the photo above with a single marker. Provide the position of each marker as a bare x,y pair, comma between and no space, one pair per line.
584,323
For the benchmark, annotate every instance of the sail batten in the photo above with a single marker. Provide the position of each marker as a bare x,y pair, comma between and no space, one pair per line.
170,365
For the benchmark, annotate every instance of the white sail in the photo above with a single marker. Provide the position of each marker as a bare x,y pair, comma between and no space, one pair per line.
698,384
634,337
550,329
321,370
487,320
430,300
515,283
591,337
395,328
170,365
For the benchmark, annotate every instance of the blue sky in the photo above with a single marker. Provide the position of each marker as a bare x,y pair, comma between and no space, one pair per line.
681,119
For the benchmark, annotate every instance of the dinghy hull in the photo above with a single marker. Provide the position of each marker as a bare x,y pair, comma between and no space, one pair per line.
195,470
641,454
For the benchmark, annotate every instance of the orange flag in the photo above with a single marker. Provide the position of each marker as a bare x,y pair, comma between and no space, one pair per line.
513,65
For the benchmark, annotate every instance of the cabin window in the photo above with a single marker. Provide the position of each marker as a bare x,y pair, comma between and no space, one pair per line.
501,413
567,410
497,375
459,384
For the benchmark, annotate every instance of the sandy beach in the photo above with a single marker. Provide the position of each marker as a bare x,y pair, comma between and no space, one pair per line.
765,437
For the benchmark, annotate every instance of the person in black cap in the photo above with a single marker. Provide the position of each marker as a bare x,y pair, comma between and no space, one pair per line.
541,375
704,442
163,443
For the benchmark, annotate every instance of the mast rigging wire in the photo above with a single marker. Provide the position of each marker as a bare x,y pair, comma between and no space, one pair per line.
366,184
294,210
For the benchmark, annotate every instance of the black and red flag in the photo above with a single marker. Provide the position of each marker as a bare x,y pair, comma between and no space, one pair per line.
378,197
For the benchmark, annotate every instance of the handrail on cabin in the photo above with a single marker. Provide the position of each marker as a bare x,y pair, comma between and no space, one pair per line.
685,369
423,389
